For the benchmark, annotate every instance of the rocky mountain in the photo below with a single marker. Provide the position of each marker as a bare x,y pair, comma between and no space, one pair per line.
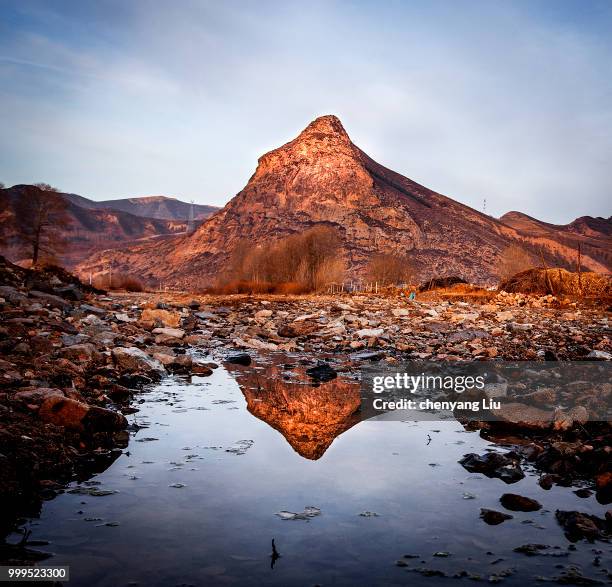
158,207
86,229
322,178
593,234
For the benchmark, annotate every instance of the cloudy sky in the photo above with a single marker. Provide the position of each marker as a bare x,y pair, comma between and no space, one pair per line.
508,101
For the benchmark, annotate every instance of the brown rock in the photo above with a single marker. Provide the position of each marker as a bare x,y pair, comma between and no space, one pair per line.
519,503
604,481
523,416
168,318
492,517
79,416
79,353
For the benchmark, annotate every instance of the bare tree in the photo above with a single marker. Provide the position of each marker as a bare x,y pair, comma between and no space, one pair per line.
41,214
513,260
389,269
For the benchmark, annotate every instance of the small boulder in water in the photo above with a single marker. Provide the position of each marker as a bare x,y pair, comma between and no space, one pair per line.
322,372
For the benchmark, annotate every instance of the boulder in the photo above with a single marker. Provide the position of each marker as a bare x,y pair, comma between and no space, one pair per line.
50,299
263,314
494,465
181,364
597,355
201,369
35,396
170,332
578,525
519,503
167,318
238,359
78,416
80,353
369,332
295,329
492,517
134,360
521,415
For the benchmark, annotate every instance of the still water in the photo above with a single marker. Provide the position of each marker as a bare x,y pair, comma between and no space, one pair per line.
195,496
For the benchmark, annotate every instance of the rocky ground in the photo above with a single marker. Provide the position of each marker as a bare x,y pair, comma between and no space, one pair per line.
72,357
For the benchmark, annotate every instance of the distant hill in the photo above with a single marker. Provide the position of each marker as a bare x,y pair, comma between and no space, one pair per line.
88,230
593,234
159,207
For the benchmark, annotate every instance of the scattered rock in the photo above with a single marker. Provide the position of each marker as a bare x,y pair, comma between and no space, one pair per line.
494,465
493,518
578,526
306,514
238,359
133,359
519,503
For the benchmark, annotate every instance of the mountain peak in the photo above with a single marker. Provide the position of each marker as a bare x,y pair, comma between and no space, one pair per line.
328,124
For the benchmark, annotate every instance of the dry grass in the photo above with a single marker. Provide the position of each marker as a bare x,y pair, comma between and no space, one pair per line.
120,281
559,282
465,292
242,286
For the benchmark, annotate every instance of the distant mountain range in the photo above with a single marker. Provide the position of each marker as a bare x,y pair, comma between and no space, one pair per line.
322,178
94,226
594,234
158,207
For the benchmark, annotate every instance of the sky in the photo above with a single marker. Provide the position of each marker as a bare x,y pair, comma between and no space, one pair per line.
505,101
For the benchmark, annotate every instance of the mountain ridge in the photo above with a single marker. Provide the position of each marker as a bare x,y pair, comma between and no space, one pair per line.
321,178
158,207
87,229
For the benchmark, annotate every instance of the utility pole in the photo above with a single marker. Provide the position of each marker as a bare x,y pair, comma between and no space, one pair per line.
484,206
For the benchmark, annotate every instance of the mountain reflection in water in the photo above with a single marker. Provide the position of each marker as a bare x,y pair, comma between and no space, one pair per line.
309,415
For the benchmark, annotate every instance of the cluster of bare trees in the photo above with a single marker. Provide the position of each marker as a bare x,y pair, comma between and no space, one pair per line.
389,269
300,262
41,215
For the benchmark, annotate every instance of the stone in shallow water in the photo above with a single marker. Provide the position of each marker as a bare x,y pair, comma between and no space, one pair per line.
519,503
309,512
92,491
494,465
133,359
322,372
578,525
492,517
240,447
238,359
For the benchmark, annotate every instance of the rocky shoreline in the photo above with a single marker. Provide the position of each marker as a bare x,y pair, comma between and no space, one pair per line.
72,358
